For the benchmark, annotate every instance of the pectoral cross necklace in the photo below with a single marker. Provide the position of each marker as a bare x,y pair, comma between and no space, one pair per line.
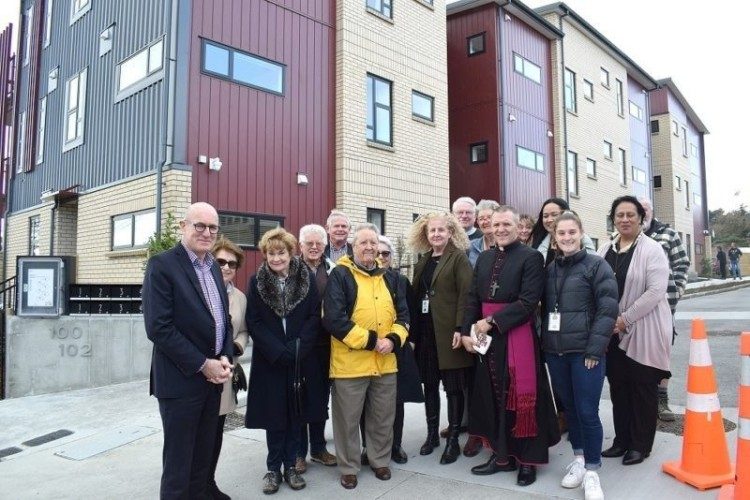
496,269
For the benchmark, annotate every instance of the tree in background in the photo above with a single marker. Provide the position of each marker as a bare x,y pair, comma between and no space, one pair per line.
730,226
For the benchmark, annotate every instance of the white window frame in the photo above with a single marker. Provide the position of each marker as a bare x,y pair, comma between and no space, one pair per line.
27,40
48,23
41,129
78,8
52,78
635,110
150,75
79,110
21,142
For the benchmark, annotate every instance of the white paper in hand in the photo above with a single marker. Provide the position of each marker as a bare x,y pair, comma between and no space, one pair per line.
480,347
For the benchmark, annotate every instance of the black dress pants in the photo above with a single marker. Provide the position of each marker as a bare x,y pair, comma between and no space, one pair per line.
189,439
633,390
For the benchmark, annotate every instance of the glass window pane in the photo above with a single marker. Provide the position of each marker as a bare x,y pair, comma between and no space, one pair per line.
155,56
266,225
133,69
382,92
216,59
383,125
239,229
370,105
540,162
258,72
518,63
421,105
71,126
145,227
526,158
533,71
122,232
73,93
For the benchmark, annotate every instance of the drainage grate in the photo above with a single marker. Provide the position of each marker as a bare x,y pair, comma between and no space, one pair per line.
6,452
47,437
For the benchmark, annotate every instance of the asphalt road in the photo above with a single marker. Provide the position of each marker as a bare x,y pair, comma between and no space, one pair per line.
726,315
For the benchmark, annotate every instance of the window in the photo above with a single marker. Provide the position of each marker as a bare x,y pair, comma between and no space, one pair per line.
40,130
588,90
133,230
657,181
377,217
572,164
379,111
570,90
47,22
684,143
246,230
75,107
527,68
27,40
422,106
639,175
105,40
20,159
590,167
620,102
478,152
687,194
140,70
654,126
604,77
243,68
675,128
678,182
475,44
623,168
637,112
35,225
607,150
382,7
527,158
52,80
78,8
595,241
693,150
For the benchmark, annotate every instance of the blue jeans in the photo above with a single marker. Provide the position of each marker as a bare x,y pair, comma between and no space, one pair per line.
580,390
734,269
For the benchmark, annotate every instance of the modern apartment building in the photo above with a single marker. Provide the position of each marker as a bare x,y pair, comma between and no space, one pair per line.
501,88
392,153
680,169
601,120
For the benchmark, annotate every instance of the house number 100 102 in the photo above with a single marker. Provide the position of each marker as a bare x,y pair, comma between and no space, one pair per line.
71,350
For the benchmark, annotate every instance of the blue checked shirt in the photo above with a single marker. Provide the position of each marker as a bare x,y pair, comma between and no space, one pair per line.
210,293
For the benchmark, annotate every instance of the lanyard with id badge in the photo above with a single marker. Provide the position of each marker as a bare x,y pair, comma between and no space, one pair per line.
554,319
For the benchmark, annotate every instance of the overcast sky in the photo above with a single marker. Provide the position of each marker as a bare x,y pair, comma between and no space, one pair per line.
697,44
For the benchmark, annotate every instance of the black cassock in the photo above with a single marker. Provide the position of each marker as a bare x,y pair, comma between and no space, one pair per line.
519,283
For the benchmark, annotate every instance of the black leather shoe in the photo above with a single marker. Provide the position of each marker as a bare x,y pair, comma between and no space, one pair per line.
526,475
614,451
430,444
216,494
398,455
492,467
633,457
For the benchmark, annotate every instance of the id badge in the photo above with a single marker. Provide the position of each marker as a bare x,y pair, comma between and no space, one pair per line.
425,306
554,322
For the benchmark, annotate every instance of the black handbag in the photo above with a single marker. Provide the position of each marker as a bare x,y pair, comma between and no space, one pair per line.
299,385
239,381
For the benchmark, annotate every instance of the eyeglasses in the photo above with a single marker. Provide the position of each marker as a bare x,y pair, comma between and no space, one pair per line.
385,253
200,227
311,244
231,263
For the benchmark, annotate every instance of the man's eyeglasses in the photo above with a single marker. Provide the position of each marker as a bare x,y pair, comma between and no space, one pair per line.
311,244
231,263
200,227
384,254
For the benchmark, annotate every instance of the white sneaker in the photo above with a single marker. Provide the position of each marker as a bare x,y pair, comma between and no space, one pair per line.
592,489
574,476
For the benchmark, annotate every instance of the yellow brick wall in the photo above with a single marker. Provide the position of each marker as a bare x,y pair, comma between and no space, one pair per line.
412,176
17,243
588,128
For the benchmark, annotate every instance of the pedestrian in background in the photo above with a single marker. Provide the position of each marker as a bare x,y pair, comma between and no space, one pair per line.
734,255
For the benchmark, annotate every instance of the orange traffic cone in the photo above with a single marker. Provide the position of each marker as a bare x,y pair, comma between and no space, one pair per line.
741,487
705,457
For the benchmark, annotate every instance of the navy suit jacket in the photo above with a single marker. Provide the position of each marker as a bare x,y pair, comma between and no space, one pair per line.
180,324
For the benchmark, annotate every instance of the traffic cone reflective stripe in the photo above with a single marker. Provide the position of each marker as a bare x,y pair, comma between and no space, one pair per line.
705,457
741,487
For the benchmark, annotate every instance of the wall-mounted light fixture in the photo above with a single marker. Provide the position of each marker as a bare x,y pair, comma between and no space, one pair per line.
550,134
507,17
202,159
512,117
215,164
302,179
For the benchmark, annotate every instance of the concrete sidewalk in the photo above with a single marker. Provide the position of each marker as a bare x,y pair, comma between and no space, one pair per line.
114,451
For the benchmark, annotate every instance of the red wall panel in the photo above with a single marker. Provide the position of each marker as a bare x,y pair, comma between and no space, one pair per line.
264,139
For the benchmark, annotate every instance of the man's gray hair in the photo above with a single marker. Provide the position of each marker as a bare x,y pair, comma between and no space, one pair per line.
487,205
337,214
467,200
507,208
312,229
365,226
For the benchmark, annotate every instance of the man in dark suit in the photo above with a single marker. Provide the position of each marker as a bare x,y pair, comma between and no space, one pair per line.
185,310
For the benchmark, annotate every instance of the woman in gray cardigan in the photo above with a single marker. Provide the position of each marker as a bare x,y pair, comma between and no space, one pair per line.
638,355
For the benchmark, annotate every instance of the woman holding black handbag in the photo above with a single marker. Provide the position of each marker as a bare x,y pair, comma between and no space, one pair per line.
283,316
